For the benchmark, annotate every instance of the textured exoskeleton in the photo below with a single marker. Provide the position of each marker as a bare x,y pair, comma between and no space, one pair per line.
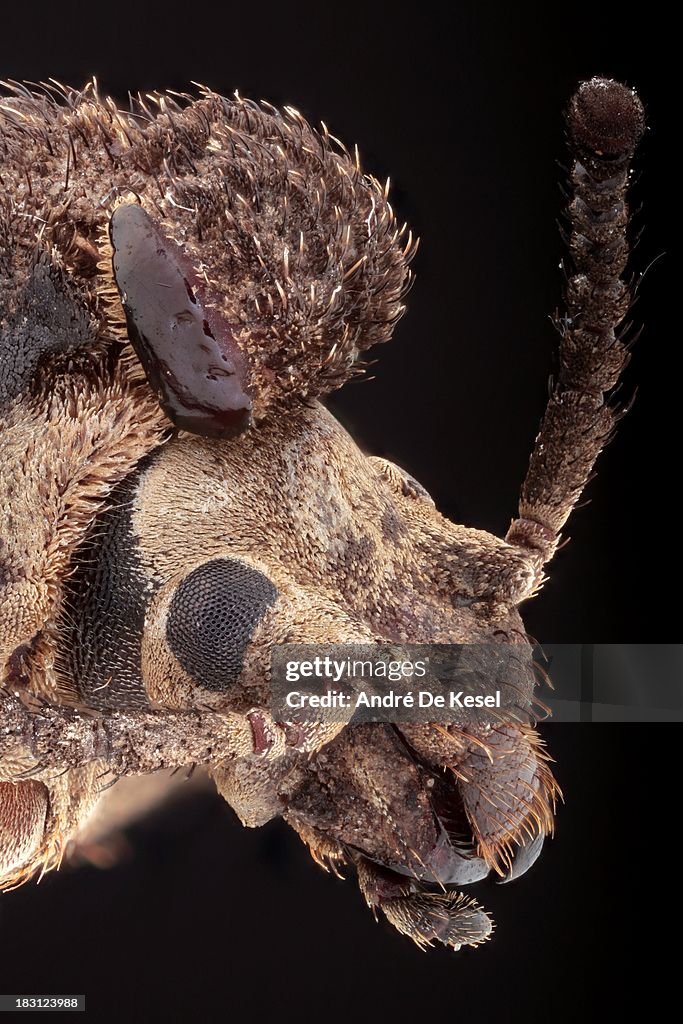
179,285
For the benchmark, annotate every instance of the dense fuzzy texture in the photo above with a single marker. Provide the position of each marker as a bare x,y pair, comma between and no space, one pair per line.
146,573
314,265
298,249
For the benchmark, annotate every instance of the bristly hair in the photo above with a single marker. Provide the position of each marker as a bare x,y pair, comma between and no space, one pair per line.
300,250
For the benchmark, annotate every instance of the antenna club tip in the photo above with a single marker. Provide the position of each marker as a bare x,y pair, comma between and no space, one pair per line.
606,118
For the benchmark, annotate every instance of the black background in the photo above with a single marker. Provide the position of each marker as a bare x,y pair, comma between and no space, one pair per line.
463,109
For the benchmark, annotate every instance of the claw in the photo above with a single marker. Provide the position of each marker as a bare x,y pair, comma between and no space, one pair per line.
524,858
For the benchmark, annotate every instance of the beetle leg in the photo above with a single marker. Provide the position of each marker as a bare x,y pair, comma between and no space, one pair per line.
425,917
134,742
53,760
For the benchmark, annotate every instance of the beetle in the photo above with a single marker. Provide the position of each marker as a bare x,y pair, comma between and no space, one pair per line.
180,286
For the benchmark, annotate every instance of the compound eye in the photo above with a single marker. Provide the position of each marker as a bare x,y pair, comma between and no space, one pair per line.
188,350
212,618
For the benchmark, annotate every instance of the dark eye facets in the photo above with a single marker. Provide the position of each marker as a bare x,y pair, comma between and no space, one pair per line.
212,617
